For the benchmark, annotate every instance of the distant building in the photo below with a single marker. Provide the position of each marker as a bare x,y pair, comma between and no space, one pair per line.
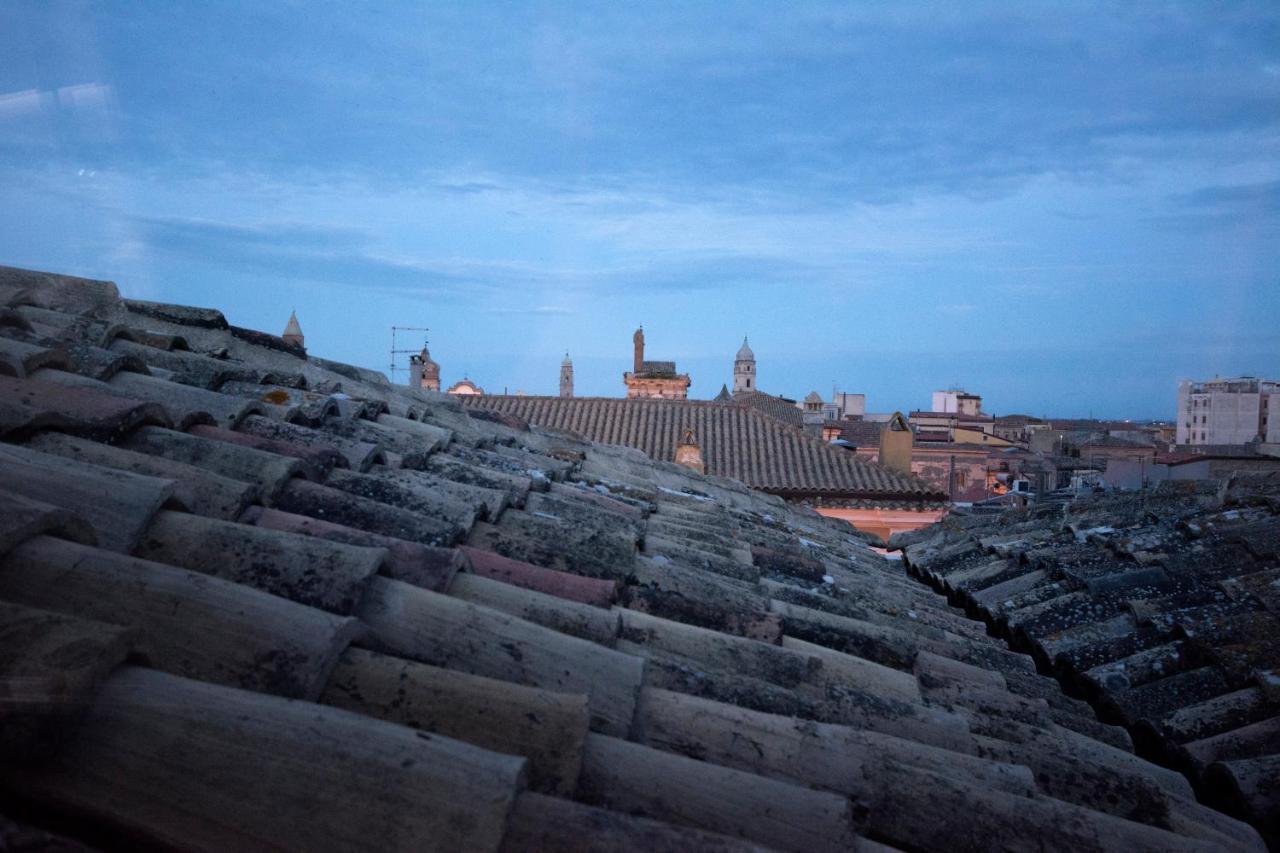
1202,463
465,388
947,426
654,379
423,372
1017,428
1228,411
961,470
814,412
1100,452
957,401
292,333
844,405
566,377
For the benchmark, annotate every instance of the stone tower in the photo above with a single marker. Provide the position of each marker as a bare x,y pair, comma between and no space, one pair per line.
744,369
566,377
292,333
654,379
423,372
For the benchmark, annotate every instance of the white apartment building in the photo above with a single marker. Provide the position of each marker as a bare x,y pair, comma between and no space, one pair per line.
957,401
1228,411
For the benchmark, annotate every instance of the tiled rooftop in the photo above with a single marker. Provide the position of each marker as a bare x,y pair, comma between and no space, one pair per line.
1163,609
736,442
778,408
862,433
251,599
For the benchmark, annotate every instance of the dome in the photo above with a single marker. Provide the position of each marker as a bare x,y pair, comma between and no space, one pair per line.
745,353
566,362
813,397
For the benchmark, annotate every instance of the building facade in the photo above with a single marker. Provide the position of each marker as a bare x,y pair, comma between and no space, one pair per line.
1228,411
465,388
653,379
957,401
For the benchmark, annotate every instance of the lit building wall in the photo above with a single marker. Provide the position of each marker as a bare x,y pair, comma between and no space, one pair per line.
1226,411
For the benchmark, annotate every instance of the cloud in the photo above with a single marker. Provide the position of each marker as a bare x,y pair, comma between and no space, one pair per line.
1262,198
306,252
540,310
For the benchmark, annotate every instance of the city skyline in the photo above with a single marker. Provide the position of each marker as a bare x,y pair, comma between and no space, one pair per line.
1067,209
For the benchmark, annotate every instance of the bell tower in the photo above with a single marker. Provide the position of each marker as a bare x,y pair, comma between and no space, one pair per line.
566,377
744,369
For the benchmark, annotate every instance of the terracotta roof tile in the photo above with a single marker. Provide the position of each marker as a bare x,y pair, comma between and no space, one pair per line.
1157,606
736,442
313,665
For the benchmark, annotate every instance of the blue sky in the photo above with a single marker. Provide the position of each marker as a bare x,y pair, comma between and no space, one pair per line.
1063,207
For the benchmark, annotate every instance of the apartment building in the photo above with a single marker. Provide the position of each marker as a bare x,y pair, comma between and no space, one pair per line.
1228,411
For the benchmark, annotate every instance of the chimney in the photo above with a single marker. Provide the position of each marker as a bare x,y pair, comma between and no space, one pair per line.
896,441
689,454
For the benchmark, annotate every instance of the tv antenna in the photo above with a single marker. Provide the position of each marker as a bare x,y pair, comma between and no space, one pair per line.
395,351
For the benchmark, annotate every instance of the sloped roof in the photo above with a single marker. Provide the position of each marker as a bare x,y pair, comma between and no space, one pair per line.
292,327
861,433
253,599
953,416
736,442
779,408
1162,608
1113,441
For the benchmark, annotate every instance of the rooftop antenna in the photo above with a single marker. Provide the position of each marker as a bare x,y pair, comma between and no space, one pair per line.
393,367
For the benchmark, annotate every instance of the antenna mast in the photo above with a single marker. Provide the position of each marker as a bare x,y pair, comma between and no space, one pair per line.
393,368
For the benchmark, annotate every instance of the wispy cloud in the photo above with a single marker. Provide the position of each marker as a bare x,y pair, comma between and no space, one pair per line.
1256,199
539,310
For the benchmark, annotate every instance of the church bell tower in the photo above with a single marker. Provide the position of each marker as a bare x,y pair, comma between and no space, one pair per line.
744,369
566,377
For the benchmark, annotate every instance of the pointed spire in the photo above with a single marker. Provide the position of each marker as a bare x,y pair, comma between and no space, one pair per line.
293,331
